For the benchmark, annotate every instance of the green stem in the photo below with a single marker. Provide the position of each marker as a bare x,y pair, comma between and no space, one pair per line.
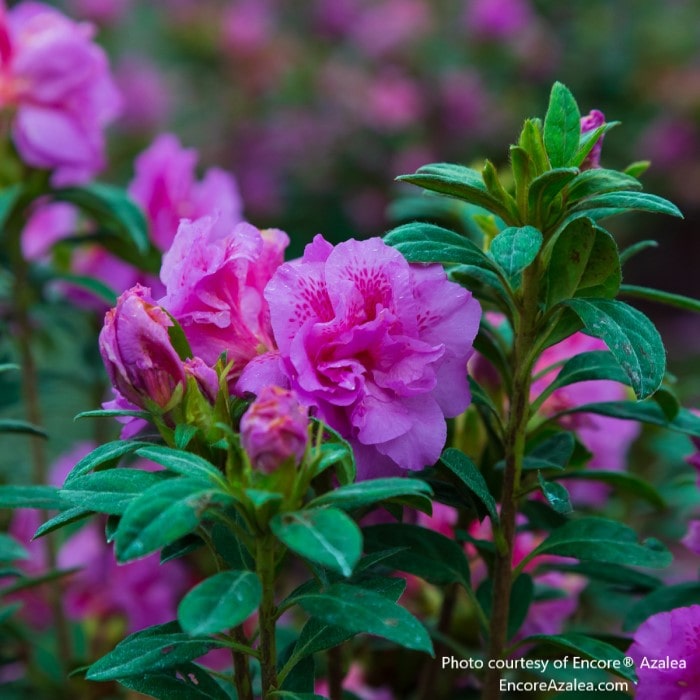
265,562
244,686
525,333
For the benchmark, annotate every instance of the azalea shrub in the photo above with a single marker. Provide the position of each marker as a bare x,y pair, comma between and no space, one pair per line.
408,465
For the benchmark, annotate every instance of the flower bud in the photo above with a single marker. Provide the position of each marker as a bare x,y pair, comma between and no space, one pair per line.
136,349
591,122
274,428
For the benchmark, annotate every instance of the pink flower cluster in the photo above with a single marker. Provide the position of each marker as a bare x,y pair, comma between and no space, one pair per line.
378,347
57,82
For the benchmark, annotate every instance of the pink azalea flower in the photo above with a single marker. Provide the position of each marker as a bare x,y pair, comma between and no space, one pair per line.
355,682
608,439
214,288
165,186
675,636
57,82
147,98
692,537
47,224
377,346
497,19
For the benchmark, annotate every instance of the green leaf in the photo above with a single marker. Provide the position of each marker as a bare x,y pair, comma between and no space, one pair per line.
562,127
587,647
678,301
521,595
584,262
668,401
337,453
484,284
148,652
161,515
44,497
589,140
184,434
109,491
662,599
638,168
359,610
427,554
365,493
523,174
553,453
635,248
113,413
186,681
11,549
181,548
598,539
468,473
496,189
516,248
9,198
456,181
190,465
11,425
420,242
621,577
105,456
623,481
91,285
531,141
600,181
326,536
629,201
632,338
220,602
112,208
65,517
293,695
557,496
649,412
546,187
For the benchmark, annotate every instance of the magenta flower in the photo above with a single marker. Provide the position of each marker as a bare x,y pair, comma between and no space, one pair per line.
57,82
274,428
136,349
377,346
692,538
673,638
48,223
214,288
497,19
165,186
591,122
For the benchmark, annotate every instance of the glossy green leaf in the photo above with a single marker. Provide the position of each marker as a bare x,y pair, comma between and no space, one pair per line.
337,453
220,602
468,473
161,515
109,491
629,201
427,554
600,181
65,517
11,549
523,174
546,187
365,493
678,301
421,242
44,497
181,548
621,577
148,652
562,126
584,262
112,208
553,453
531,141
621,481
113,413
514,249
663,599
456,181
589,140
638,168
631,337
557,496
598,539
586,647
359,610
186,681
326,536
185,463
105,456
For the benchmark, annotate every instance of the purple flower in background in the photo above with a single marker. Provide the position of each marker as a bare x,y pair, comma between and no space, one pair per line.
274,428
356,683
165,186
214,288
591,122
379,347
137,352
676,635
692,537
146,95
101,11
47,224
57,82
497,19
608,439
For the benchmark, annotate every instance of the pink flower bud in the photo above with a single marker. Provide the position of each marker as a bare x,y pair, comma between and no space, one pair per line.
136,349
274,428
589,123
